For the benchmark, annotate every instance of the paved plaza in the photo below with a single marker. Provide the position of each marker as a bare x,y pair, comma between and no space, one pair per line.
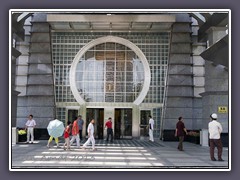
119,154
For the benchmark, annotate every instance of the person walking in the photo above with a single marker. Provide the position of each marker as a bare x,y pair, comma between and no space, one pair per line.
151,125
91,139
67,135
80,125
109,129
50,140
75,134
215,130
179,132
29,126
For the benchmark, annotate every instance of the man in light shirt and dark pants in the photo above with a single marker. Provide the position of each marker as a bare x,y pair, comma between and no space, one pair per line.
29,126
215,129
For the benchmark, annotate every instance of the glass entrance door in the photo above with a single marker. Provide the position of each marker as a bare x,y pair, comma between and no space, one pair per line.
144,122
123,123
72,115
98,115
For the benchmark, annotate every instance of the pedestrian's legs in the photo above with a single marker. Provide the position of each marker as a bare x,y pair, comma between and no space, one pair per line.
56,141
111,132
87,142
180,144
80,134
32,136
93,142
49,140
108,133
72,140
219,148
68,143
212,147
151,135
78,141
28,134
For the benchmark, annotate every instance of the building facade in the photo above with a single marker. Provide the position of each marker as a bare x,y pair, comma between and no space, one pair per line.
124,66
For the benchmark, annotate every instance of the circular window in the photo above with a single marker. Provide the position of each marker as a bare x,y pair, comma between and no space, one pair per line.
110,69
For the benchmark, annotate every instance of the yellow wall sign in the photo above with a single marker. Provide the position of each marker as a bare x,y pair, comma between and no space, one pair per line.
222,109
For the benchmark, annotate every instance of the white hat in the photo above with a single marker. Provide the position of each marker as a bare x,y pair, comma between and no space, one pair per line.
213,116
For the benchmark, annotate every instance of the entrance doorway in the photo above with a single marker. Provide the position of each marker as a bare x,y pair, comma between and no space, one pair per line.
144,122
98,115
72,115
123,123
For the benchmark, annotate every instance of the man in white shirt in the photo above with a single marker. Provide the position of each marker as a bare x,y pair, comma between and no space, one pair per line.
215,129
29,126
90,131
151,124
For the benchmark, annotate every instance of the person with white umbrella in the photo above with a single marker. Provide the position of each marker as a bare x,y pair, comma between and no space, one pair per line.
55,129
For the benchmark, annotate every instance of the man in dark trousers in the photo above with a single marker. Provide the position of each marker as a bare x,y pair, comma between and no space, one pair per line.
109,129
180,129
215,129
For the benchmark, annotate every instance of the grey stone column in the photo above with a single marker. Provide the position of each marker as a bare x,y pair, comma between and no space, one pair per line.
40,83
216,94
179,87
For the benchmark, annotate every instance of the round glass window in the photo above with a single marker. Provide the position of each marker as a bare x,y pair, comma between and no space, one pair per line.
109,72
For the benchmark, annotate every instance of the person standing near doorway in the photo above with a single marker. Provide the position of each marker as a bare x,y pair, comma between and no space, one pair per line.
80,126
75,133
179,132
151,125
91,139
109,129
215,130
29,126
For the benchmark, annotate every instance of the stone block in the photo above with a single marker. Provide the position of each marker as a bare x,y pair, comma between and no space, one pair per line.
197,50
40,37
198,91
199,81
181,48
37,112
179,102
180,91
27,29
39,17
180,58
181,37
40,58
180,69
41,101
182,17
179,80
22,60
22,70
40,47
40,27
23,49
40,79
181,27
198,61
22,90
21,80
22,101
40,69
216,84
40,90
174,113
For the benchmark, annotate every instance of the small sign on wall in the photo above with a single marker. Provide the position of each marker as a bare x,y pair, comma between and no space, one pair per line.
222,109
